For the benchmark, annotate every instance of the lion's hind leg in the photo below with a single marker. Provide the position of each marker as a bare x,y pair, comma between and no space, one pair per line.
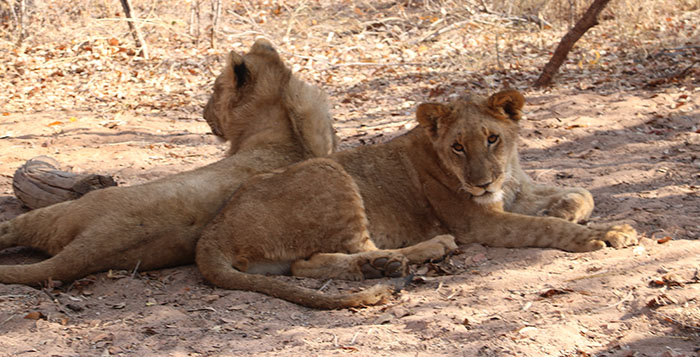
8,239
574,205
218,266
358,266
67,265
373,263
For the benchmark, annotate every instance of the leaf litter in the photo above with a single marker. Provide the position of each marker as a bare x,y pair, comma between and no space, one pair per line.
76,90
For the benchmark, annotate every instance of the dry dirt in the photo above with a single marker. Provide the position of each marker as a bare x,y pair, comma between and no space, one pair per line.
617,128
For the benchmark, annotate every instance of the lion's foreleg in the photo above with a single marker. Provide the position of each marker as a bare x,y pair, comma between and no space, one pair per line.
433,249
503,229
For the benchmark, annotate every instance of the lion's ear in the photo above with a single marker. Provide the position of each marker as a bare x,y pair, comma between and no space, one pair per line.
263,44
240,71
429,115
508,102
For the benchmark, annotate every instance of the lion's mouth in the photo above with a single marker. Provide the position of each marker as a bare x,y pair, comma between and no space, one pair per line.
486,196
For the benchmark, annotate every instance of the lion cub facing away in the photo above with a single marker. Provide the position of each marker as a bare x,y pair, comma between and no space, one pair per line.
272,120
369,211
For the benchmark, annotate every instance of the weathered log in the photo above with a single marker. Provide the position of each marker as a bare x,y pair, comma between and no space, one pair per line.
39,183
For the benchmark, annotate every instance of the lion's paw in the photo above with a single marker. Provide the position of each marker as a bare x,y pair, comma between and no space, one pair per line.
392,266
443,245
621,236
573,207
589,246
435,248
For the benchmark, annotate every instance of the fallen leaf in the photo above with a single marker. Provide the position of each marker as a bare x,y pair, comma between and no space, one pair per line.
55,123
34,315
661,300
552,292
101,337
671,279
527,330
664,240
383,319
149,331
74,307
656,283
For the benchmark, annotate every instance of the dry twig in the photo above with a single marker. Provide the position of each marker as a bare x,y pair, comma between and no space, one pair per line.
138,38
589,19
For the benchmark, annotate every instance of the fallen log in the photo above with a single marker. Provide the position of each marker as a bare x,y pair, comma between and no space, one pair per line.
39,183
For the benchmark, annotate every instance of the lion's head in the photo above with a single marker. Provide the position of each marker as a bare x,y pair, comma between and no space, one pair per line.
257,92
476,140
256,76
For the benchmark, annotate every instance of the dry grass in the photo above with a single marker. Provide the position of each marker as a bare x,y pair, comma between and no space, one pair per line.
356,49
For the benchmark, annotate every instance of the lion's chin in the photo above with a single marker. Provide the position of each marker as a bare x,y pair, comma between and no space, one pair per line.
488,197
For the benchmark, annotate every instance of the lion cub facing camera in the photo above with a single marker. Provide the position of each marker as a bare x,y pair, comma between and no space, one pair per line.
369,211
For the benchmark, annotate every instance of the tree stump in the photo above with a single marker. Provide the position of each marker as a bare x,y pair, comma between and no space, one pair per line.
39,183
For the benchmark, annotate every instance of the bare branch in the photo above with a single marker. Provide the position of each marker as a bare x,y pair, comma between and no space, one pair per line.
589,19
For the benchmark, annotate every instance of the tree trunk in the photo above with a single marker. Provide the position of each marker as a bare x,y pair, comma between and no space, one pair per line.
20,22
39,183
216,14
589,19
138,39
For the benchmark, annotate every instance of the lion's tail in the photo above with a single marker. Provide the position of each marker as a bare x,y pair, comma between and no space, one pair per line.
217,269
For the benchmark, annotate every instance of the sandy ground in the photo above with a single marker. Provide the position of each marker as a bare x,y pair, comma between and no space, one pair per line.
481,301
622,120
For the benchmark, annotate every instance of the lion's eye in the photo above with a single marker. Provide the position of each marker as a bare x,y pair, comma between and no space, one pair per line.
492,139
457,147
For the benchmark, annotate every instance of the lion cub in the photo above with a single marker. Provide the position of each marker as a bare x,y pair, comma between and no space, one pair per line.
369,211
271,118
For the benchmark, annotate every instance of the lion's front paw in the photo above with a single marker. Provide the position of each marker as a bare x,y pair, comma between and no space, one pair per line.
392,266
621,236
433,249
443,245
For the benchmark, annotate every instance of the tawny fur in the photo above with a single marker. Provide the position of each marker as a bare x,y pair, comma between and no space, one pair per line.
369,211
271,119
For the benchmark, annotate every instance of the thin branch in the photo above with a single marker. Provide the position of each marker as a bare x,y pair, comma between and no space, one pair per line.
588,20
138,38
447,28
670,319
216,14
373,64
